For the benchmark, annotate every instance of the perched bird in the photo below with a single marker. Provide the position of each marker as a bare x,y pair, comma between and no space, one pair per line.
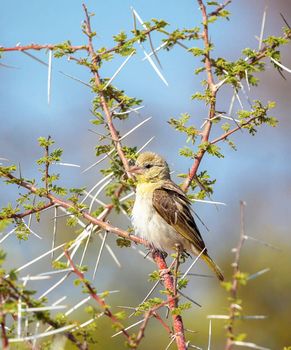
161,213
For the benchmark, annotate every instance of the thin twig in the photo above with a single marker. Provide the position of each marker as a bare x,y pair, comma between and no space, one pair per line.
47,164
97,298
219,8
4,338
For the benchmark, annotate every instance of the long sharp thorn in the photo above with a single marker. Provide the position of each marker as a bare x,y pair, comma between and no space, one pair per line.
49,77
134,128
119,70
145,145
99,254
262,28
209,336
280,65
54,232
287,24
193,263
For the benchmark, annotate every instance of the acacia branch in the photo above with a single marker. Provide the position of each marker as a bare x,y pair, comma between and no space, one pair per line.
152,313
47,164
69,206
103,102
219,8
99,300
27,212
262,53
172,301
42,47
15,294
225,135
213,90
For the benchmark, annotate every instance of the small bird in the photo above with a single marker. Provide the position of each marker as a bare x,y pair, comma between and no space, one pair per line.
162,214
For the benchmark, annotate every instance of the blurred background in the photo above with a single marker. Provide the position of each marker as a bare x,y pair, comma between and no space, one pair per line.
258,173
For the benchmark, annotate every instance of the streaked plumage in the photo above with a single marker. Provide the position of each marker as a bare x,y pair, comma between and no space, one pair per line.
161,212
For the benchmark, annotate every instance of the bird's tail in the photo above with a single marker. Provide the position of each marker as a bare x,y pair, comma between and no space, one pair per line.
213,266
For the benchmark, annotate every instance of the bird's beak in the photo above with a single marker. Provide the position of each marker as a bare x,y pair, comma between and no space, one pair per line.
135,170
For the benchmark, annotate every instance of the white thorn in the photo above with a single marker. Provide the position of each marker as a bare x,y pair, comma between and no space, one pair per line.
193,263
49,76
99,254
262,28
118,70
280,65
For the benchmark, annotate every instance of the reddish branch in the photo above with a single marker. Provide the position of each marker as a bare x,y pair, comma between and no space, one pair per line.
152,313
172,302
69,48
67,205
235,283
27,212
103,102
133,343
213,89
225,136
99,300
42,47
47,164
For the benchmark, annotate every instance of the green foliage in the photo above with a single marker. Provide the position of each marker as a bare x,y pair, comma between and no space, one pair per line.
180,125
211,149
154,276
59,265
179,35
123,242
2,257
182,307
22,231
182,283
148,305
63,49
202,183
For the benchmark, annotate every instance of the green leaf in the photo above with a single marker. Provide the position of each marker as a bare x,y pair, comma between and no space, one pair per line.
154,276
123,242
182,283
182,307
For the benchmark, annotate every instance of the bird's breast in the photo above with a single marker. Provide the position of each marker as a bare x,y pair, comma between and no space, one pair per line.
149,225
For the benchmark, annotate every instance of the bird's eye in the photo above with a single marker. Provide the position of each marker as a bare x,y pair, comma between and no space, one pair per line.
148,166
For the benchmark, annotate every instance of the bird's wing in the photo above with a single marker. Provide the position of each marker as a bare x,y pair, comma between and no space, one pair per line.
174,207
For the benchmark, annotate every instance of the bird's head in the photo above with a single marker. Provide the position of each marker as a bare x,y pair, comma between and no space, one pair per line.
150,167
